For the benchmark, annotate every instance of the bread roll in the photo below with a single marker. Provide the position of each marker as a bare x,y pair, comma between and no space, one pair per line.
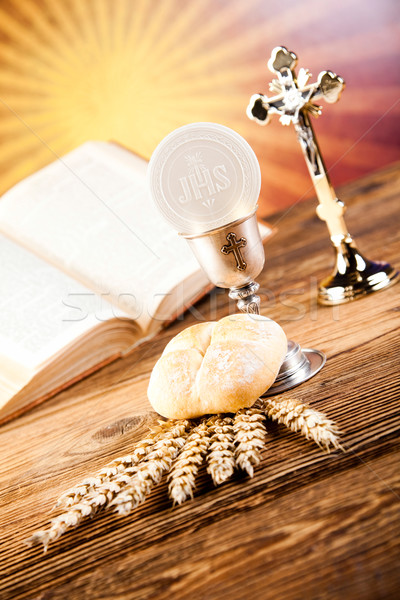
217,367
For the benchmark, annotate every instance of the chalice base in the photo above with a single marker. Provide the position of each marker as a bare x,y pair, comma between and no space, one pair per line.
299,365
354,276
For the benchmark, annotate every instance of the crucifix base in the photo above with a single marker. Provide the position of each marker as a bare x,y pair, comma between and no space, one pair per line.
354,276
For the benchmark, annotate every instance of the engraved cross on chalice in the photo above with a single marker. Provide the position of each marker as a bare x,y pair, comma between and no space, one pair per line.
353,275
234,247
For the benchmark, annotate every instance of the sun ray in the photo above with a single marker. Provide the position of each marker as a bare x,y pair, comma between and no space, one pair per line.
102,26
119,24
184,21
133,70
83,15
204,45
64,19
35,136
30,41
372,48
214,41
149,36
136,30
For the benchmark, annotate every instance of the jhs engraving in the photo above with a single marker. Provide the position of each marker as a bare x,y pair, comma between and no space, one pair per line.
202,183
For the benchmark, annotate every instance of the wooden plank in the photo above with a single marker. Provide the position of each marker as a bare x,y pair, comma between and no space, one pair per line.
306,521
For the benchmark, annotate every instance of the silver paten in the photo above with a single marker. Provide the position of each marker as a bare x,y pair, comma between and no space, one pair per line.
300,364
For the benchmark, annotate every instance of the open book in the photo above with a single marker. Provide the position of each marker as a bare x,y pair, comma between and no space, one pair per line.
88,270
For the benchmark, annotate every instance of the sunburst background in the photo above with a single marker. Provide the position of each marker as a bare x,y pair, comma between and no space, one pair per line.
133,70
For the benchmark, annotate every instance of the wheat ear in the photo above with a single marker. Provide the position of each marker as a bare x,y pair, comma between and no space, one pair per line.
313,424
250,432
103,494
184,470
113,469
221,456
149,473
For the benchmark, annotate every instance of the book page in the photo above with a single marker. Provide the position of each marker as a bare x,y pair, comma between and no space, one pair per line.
89,214
42,310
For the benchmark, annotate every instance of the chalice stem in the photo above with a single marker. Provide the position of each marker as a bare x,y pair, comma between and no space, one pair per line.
246,298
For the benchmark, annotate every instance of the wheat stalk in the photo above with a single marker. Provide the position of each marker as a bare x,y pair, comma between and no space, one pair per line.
113,469
311,423
228,442
185,468
221,456
103,494
250,432
159,455
149,473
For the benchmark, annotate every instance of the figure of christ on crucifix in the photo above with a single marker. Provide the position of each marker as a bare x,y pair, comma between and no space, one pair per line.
293,101
234,247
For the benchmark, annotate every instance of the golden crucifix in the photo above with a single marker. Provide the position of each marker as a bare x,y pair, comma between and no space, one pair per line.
293,101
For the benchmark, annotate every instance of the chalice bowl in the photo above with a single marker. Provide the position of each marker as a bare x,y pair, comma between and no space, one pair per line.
205,180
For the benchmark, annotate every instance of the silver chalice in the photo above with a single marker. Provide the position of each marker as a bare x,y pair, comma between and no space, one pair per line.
205,180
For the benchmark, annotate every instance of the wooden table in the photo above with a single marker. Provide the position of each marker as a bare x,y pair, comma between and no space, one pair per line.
308,525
